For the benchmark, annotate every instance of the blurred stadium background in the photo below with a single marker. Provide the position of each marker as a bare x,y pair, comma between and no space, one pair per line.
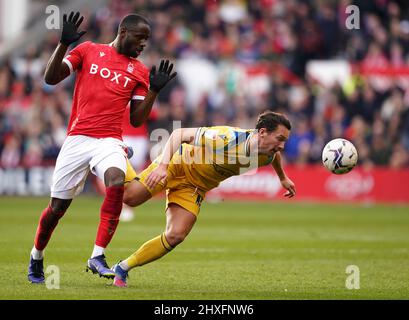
234,59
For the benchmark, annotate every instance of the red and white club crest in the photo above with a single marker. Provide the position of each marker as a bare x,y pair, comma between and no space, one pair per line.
130,67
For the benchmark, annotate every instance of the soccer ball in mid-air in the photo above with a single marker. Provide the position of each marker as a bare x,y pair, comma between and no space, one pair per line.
339,156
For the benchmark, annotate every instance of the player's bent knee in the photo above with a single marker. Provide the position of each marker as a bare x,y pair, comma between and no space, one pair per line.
175,238
59,205
111,183
114,177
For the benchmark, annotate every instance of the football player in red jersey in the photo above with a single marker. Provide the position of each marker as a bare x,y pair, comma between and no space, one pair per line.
109,76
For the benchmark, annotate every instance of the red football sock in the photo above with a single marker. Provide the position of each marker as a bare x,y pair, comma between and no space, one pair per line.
110,212
46,225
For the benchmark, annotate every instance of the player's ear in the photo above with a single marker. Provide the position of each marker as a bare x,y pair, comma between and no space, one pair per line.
122,32
262,132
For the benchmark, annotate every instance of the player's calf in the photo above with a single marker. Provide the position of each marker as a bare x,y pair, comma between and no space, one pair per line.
135,194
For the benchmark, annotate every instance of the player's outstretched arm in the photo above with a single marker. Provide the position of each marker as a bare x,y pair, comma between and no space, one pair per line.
178,136
158,79
56,70
285,181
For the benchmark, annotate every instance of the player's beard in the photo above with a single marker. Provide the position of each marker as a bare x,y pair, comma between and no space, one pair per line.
127,50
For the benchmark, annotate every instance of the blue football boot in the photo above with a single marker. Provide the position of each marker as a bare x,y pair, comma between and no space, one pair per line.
36,271
99,265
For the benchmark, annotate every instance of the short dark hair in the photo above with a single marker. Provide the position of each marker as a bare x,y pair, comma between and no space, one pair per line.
270,120
132,20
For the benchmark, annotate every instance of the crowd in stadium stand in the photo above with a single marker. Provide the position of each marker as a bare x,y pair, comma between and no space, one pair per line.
237,58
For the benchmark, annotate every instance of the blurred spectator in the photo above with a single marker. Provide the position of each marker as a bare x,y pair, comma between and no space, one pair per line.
11,152
399,158
299,143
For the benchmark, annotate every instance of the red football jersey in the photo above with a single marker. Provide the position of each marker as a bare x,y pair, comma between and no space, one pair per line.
106,82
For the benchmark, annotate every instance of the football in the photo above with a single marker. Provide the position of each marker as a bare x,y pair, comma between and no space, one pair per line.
339,156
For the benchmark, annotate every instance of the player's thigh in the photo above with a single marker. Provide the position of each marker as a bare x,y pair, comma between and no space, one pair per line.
110,154
135,193
140,146
185,195
72,167
179,222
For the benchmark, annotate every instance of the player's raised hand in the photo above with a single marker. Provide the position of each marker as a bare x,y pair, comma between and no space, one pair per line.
290,186
70,27
158,175
159,79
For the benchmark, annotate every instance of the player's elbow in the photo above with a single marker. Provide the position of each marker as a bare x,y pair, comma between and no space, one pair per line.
53,76
136,123
50,80
185,135
178,133
136,119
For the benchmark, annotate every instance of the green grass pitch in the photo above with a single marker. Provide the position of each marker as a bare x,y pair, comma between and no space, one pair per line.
240,251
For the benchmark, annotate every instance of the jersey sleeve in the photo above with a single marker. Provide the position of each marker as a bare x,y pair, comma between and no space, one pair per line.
223,139
215,138
76,56
141,90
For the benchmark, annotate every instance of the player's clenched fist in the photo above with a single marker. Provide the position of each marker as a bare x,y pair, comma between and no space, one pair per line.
159,79
70,27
